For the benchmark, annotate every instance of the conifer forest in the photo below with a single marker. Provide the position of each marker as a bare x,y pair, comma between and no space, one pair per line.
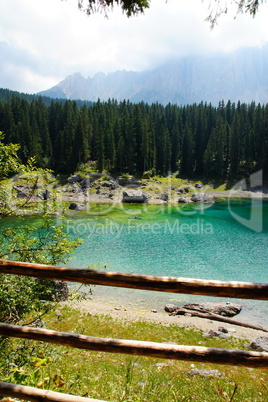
227,141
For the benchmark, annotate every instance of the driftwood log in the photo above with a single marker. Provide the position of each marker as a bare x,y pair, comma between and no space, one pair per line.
226,309
234,289
150,349
37,395
215,317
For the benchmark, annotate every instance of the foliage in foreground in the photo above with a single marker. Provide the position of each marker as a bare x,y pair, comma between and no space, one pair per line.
115,377
216,8
44,244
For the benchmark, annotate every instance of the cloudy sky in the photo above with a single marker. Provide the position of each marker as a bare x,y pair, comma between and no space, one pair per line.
43,41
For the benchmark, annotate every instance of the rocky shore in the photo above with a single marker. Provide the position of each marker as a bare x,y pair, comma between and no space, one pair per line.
94,189
77,193
131,311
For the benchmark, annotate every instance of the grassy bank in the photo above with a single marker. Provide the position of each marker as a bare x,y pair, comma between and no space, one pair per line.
114,377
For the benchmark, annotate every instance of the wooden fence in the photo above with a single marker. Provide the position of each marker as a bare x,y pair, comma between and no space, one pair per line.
233,289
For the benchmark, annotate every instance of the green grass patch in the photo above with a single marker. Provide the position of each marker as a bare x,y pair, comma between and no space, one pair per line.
115,377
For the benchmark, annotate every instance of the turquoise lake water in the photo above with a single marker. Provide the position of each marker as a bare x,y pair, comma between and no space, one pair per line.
223,242
210,243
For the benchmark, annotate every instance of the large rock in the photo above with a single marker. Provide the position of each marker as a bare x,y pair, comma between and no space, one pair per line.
59,292
74,178
170,308
85,183
72,188
111,184
164,197
202,198
134,196
129,182
260,344
183,200
205,373
75,206
224,309
218,334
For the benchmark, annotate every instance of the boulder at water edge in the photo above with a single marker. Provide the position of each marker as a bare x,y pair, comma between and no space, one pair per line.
134,196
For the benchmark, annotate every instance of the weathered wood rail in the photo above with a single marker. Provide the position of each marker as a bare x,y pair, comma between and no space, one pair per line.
233,289
38,395
141,348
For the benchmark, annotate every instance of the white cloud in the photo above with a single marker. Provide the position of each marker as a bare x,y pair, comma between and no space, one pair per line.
49,39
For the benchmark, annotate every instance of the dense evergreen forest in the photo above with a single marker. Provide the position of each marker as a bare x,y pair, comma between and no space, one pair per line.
228,141
7,94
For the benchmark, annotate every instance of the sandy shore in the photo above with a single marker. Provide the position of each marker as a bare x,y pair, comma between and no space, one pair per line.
132,312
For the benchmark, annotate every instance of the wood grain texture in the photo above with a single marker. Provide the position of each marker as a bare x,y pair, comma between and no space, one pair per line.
36,395
232,289
132,347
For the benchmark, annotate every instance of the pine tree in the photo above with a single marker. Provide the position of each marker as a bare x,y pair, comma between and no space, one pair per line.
121,155
82,133
68,161
8,125
42,121
214,156
234,146
187,161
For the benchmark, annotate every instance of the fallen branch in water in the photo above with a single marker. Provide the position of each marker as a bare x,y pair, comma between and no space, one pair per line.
216,317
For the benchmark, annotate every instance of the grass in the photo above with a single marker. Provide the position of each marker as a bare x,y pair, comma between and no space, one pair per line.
115,377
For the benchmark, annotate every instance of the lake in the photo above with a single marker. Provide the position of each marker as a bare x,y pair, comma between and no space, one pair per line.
221,241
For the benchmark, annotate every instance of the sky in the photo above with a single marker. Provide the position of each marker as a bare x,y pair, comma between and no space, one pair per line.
43,41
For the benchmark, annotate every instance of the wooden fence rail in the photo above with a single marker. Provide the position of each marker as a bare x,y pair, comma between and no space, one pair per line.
38,395
141,348
233,289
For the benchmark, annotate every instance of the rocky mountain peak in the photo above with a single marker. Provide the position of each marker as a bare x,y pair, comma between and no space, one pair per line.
239,75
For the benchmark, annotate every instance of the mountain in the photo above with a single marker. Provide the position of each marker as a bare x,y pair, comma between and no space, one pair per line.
239,75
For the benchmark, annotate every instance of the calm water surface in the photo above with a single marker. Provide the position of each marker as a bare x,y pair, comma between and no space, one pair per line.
206,244
209,243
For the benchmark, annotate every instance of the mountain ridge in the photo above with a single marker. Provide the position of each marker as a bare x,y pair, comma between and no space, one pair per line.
236,76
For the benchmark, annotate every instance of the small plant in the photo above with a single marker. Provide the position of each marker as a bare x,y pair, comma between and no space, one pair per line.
148,174
105,177
126,176
224,394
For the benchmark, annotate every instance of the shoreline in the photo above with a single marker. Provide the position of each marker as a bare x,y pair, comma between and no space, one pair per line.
130,311
155,200
58,205
57,198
